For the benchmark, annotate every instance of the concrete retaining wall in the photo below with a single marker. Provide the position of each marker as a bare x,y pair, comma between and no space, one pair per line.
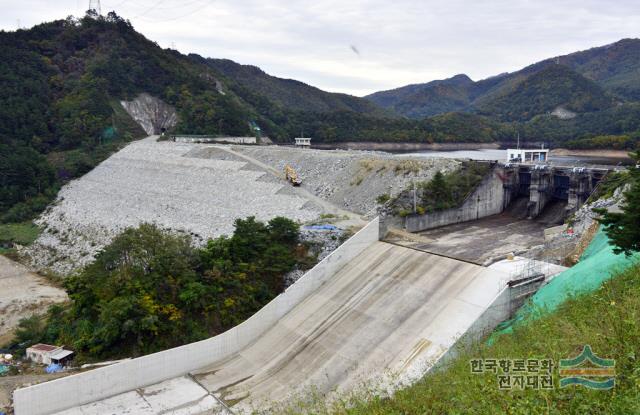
488,199
228,140
498,311
101,383
502,307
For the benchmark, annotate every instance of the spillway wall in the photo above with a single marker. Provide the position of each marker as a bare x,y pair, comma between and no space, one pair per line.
75,390
486,200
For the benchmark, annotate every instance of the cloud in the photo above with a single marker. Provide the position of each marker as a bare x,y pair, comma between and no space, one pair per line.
400,42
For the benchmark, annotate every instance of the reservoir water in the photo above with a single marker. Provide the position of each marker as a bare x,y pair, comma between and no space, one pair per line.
500,155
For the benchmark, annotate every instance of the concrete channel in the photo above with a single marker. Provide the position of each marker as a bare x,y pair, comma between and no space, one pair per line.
382,320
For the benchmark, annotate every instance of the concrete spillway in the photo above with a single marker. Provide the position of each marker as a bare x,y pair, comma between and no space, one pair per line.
391,311
384,318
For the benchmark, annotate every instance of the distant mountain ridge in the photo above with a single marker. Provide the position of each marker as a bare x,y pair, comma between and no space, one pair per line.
290,93
423,100
601,75
542,92
62,85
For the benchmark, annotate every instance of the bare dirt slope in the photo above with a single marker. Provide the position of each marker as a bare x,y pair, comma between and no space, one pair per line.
22,294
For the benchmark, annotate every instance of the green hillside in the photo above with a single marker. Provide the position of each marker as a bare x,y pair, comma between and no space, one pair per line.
433,98
289,93
614,68
60,86
541,93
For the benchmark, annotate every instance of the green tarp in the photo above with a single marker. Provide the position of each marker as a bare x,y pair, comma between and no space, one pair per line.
597,264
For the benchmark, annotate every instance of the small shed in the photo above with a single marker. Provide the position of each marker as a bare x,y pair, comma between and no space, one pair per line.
47,354
61,357
303,142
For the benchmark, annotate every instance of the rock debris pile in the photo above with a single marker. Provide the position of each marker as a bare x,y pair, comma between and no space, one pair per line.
352,180
155,182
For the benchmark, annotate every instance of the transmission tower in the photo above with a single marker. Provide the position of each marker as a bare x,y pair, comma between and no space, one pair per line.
95,5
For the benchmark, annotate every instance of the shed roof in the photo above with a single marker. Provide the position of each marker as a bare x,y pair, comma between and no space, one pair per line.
44,347
61,354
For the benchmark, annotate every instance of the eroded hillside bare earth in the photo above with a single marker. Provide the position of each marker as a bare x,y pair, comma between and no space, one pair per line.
22,294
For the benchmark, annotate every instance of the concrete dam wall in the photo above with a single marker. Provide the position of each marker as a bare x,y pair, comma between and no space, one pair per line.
541,184
486,200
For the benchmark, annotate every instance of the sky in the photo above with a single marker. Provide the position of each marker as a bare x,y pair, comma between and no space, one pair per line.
362,46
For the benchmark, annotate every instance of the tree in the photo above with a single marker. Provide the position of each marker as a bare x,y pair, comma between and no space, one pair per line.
131,294
24,174
283,231
437,194
624,228
150,289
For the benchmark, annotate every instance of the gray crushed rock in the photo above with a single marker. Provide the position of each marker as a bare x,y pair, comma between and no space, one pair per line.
200,190
352,180
322,242
154,182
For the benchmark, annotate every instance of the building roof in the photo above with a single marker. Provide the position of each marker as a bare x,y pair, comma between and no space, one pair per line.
61,354
529,149
44,347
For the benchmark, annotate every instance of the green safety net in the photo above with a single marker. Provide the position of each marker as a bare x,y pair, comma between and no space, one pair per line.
597,264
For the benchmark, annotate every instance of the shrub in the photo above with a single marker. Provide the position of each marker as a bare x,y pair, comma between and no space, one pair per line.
383,198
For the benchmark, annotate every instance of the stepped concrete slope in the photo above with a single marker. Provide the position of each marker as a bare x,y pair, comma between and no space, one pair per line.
381,320
163,183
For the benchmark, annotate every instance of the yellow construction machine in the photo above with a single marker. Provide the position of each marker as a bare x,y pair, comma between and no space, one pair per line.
291,175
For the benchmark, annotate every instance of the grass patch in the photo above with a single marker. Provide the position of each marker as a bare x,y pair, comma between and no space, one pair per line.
607,319
17,233
328,216
357,181
383,198
407,167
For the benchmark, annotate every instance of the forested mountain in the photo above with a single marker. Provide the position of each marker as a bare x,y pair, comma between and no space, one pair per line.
291,94
423,100
60,86
62,83
544,91
614,69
